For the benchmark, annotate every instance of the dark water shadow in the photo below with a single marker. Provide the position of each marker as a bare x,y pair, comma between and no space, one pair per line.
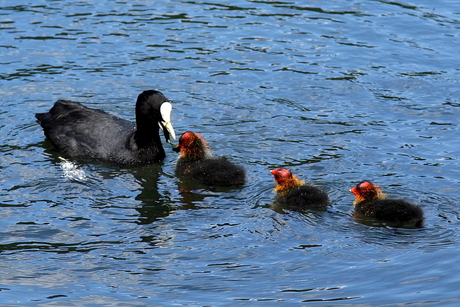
193,192
153,204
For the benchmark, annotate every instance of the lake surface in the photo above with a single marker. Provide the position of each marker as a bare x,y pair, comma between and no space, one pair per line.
336,91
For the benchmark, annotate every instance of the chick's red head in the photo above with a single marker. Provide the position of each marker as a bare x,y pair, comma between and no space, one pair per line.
285,180
363,187
188,139
281,174
192,145
366,191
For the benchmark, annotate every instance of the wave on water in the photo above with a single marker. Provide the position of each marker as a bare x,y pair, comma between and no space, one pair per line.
71,170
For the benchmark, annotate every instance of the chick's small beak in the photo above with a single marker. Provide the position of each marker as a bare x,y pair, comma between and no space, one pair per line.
176,148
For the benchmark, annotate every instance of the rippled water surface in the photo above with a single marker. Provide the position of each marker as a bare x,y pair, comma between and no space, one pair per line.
336,91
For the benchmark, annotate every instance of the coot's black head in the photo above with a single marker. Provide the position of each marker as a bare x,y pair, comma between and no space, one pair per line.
154,109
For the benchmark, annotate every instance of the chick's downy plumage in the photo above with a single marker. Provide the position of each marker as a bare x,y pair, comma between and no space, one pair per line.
371,202
196,162
293,193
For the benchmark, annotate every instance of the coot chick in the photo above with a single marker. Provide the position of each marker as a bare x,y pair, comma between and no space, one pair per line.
82,132
370,201
197,163
293,193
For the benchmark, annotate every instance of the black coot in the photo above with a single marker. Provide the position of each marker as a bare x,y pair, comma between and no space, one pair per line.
197,163
93,134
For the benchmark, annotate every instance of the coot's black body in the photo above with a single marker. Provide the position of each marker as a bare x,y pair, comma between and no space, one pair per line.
82,132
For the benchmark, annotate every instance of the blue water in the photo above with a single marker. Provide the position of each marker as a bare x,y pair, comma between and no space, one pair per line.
336,91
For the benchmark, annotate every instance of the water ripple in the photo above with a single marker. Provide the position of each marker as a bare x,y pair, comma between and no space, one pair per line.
337,92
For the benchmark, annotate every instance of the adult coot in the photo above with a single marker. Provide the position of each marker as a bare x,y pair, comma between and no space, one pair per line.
93,134
293,193
197,163
370,201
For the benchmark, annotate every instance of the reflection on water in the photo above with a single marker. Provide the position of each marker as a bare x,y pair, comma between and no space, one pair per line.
337,92
71,170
